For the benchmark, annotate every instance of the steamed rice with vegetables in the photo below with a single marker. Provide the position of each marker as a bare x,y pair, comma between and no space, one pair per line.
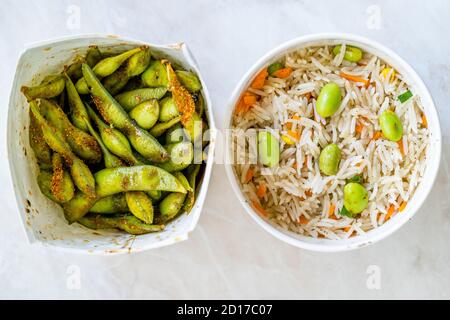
329,142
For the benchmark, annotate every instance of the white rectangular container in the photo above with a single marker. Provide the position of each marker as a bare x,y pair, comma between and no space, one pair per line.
43,220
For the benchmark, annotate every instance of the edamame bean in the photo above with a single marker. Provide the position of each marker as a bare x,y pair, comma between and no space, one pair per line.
176,134
189,80
183,180
155,75
111,204
108,65
127,223
355,197
171,205
140,205
169,110
391,126
329,159
93,56
130,99
192,172
78,207
181,156
81,86
44,181
352,54
61,184
46,90
158,129
146,114
78,111
268,149
138,178
329,100
37,143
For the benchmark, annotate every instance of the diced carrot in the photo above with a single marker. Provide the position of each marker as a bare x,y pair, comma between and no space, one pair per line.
355,78
283,73
261,190
295,165
259,209
401,147
260,79
289,124
390,212
303,220
331,210
358,127
249,175
346,229
308,193
308,96
402,206
424,121
249,100
377,135
294,134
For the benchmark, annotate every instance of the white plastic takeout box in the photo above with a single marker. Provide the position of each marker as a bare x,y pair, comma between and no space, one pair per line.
42,219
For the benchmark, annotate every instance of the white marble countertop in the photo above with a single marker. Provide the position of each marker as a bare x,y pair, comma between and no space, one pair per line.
228,255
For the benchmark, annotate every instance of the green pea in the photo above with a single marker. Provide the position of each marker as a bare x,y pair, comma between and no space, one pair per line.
352,54
329,100
268,149
391,126
356,197
329,160
274,67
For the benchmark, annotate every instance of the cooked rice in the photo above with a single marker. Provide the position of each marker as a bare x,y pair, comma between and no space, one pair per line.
298,199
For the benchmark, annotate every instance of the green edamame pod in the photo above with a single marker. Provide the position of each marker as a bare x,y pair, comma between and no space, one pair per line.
61,184
192,172
78,207
169,110
171,205
46,90
113,139
81,86
138,63
44,181
200,105
111,161
194,127
146,113
176,134
140,205
138,178
82,143
117,81
112,112
93,56
50,78
78,111
112,204
130,99
155,194
81,175
189,80
127,223
108,65
183,180
155,75
158,129
37,143
74,69
181,156
132,84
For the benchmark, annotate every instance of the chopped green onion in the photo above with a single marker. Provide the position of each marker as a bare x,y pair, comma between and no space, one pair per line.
357,179
274,67
405,96
344,212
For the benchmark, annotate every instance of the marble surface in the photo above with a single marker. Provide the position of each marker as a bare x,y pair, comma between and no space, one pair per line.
228,255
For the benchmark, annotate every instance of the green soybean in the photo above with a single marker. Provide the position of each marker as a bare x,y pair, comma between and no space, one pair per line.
171,205
44,181
176,134
40,148
107,66
146,114
140,205
62,186
78,111
81,86
189,80
169,109
111,204
329,100
356,197
181,156
127,223
158,129
352,54
192,172
47,90
130,99
155,75
391,125
268,149
329,160
93,56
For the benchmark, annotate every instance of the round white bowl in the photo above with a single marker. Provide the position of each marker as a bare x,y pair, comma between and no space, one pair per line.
42,219
433,153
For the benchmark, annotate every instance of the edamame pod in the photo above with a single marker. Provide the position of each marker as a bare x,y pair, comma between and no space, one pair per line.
81,175
108,65
192,172
155,75
176,134
171,205
146,113
74,69
112,112
113,139
78,207
159,128
127,223
194,127
181,156
140,205
61,184
46,90
169,110
138,178
130,99
81,86
37,143
44,181
183,180
112,204
78,111
82,143
189,80
93,56
155,194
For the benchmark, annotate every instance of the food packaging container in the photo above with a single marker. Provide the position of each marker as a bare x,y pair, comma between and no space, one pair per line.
433,152
43,220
